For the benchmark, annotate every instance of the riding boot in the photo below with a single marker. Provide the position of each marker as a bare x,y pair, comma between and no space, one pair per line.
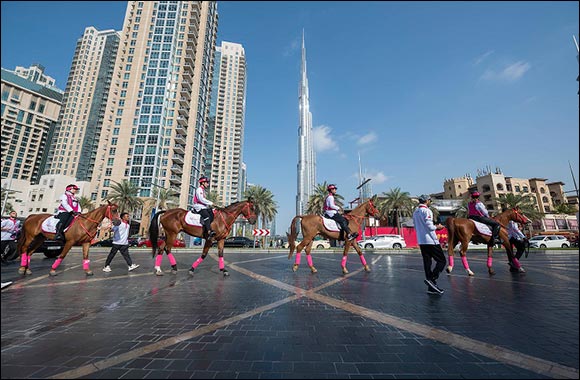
496,238
59,235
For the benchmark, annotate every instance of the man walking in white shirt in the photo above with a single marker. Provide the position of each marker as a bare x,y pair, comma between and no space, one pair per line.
429,244
120,242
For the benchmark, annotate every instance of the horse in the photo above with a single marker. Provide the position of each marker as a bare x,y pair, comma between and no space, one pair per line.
173,222
462,230
81,231
312,225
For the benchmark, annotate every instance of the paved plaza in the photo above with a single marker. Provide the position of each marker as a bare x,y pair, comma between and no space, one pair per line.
265,321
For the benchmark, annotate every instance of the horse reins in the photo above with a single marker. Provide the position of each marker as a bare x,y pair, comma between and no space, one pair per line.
232,214
108,214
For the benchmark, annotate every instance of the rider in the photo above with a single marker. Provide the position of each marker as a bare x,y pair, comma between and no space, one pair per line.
332,211
478,212
68,208
202,205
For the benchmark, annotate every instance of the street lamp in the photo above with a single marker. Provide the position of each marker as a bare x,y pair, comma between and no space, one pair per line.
362,199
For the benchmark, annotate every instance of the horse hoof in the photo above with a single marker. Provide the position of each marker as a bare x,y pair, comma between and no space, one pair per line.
52,273
28,272
344,270
21,270
226,273
159,272
294,267
449,269
89,273
521,270
313,270
469,272
367,268
174,271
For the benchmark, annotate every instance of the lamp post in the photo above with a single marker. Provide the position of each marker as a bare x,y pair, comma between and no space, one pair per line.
361,200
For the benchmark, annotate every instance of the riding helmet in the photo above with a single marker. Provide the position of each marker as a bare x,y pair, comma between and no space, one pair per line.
331,186
203,179
475,194
72,186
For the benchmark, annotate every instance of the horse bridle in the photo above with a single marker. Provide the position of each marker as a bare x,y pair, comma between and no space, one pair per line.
108,214
234,219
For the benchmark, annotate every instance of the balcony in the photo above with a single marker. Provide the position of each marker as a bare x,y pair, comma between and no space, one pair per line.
183,111
183,101
177,169
181,121
174,179
185,85
178,149
181,130
178,159
180,139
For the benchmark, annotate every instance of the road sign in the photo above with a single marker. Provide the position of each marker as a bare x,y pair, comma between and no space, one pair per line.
261,232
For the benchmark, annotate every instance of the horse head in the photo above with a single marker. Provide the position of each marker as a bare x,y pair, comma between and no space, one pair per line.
371,210
519,217
249,212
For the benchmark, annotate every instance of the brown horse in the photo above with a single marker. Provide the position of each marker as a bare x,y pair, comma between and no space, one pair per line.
312,225
81,231
461,230
173,222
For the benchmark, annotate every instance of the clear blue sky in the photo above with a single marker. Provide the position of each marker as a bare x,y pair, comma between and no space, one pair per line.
423,90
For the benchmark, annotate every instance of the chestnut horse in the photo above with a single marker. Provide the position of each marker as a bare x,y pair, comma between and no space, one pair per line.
312,225
173,222
81,231
462,230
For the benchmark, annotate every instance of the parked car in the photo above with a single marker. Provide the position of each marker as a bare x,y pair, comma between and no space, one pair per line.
239,242
135,240
549,241
383,241
51,248
320,244
177,243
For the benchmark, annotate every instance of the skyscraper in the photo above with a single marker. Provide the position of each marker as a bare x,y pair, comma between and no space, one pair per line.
157,111
228,134
306,158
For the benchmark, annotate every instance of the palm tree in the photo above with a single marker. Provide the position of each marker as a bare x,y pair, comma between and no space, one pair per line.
316,202
215,198
126,195
264,204
564,208
167,198
86,203
461,212
396,204
526,204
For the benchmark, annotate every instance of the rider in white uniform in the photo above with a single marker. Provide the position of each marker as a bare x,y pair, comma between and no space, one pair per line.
332,211
202,206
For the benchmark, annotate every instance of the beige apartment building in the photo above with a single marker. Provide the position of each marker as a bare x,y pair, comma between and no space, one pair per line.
229,101
74,147
155,128
29,116
35,73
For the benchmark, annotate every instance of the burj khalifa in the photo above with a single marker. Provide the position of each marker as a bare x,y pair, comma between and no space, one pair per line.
306,174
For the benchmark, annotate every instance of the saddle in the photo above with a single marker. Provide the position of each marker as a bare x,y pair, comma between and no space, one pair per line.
330,224
49,225
482,228
193,219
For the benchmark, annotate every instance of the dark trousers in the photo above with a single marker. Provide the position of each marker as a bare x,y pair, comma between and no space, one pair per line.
435,252
124,249
64,219
520,247
490,222
8,249
342,222
206,218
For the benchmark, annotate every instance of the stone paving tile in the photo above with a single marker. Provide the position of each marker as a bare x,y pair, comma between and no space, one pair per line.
97,318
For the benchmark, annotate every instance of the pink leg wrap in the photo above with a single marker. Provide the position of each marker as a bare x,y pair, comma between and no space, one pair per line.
24,260
489,261
172,260
197,262
362,260
343,263
451,261
221,263
86,264
517,263
297,260
158,260
309,259
464,261
56,263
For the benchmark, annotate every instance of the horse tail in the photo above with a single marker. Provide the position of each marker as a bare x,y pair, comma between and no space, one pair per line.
292,236
154,232
450,224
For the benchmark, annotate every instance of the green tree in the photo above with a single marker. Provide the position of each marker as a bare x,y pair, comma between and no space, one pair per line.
461,212
396,204
215,198
526,204
316,202
564,208
168,198
86,204
264,204
6,195
126,195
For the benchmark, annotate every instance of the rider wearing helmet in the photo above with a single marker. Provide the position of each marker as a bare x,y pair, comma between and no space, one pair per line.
332,211
68,208
477,211
202,206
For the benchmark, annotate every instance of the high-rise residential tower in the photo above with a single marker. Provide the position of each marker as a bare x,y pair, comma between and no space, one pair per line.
74,146
156,118
35,73
306,158
228,129
29,116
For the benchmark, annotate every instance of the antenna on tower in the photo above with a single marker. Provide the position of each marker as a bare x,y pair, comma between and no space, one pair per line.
576,43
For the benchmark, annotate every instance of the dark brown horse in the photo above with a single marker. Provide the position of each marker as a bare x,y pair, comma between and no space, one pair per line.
173,222
312,225
462,230
82,230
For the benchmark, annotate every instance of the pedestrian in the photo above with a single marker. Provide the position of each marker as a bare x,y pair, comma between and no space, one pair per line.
120,242
202,206
429,244
518,240
69,208
332,211
10,228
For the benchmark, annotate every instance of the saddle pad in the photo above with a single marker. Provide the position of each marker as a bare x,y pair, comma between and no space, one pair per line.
49,225
193,219
482,228
330,224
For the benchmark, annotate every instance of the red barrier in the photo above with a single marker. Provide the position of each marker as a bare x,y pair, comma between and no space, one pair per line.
408,234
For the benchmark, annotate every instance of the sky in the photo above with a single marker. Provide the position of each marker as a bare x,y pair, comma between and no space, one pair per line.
420,91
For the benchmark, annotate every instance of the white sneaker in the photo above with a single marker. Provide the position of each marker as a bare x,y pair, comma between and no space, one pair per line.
107,269
133,266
